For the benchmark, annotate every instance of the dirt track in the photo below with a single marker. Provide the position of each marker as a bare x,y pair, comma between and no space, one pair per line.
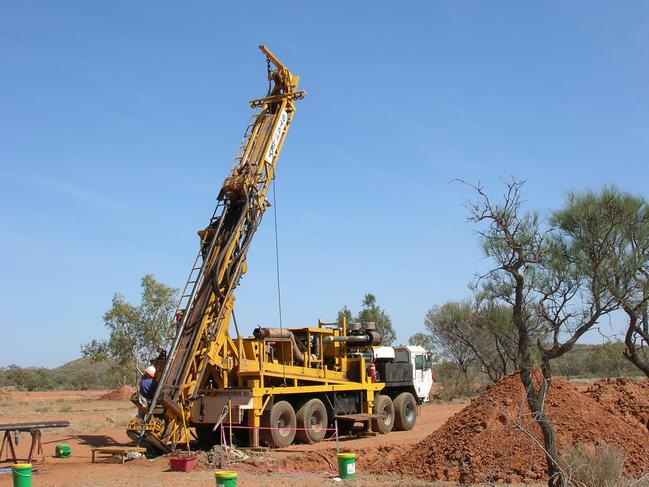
97,422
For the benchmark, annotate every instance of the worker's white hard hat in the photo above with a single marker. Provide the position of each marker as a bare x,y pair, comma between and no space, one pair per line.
150,371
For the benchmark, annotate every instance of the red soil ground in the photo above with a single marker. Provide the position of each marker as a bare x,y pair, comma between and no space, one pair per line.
95,422
122,394
480,441
624,397
495,438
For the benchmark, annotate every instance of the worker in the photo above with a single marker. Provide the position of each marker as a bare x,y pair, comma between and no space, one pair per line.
159,361
148,384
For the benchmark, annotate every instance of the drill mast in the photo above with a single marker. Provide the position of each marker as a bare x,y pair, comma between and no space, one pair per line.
198,354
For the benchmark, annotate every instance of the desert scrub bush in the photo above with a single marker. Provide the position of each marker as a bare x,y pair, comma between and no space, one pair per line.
454,383
599,466
42,409
66,408
455,391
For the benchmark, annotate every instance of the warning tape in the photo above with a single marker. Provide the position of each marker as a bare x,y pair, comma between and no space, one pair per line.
334,437
269,428
292,471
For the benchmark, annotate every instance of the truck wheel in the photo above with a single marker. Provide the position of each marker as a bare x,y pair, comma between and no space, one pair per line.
312,416
383,406
281,418
405,412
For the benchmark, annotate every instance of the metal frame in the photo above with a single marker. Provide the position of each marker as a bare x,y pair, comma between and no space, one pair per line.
203,356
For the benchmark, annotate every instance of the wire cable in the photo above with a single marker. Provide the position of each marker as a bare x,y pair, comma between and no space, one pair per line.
279,286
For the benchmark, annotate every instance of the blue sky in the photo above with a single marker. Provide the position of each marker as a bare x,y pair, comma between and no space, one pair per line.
119,121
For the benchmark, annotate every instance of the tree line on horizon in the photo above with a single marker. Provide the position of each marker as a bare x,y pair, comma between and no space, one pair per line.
584,362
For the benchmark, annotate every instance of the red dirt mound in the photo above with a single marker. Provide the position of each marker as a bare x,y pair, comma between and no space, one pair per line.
121,394
625,397
485,441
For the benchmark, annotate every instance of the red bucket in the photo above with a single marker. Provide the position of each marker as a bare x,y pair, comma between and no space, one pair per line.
184,463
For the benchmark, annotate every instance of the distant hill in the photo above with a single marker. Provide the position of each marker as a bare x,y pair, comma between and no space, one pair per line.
79,374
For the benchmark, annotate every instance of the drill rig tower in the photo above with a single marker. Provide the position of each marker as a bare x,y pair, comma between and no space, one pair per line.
263,388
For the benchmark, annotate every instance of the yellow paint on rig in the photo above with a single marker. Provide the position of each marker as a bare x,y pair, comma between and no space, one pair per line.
211,361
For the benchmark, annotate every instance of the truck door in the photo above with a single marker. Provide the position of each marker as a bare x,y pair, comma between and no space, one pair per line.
423,375
419,368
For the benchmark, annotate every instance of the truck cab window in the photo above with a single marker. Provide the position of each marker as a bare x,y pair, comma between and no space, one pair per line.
401,356
419,362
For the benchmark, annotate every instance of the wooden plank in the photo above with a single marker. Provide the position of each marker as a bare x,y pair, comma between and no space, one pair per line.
122,451
118,449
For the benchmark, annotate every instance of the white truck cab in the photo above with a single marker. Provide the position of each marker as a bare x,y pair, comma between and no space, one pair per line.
417,375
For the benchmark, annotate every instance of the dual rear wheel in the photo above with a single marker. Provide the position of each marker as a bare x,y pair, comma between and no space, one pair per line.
400,414
281,420
405,411
312,421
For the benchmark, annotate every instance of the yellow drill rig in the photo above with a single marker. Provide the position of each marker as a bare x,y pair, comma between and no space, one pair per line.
281,383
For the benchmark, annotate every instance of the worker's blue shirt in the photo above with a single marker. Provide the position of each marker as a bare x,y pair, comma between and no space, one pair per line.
147,387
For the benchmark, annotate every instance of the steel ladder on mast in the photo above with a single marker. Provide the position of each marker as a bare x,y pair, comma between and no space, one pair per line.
196,274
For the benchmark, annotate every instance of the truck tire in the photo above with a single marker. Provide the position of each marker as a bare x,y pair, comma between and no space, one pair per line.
383,406
405,412
312,416
281,419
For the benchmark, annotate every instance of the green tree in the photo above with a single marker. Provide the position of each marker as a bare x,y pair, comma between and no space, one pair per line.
423,340
373,312
607,360
514,243
135,331
451,334
469,332
552,278
628,278
17,376
345,313
83,379
41,380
